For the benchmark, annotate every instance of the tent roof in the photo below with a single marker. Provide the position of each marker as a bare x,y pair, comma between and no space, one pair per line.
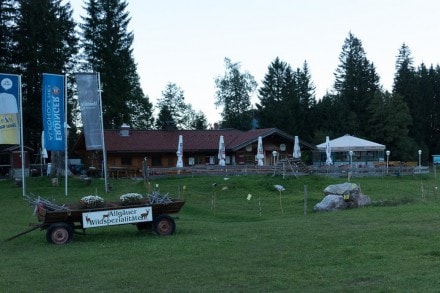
349,142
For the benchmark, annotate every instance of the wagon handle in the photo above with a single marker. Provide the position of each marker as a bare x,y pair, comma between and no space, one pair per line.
34,227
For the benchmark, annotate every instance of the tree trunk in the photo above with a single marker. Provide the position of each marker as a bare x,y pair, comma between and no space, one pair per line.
58,165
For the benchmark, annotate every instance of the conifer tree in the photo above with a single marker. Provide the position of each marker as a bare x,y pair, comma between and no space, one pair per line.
417,88
278,85
107,45
424,113
327,118
389,122
434,138
404,78
355,85
8,14
172,106
193,119
199,121
46,43
405,85
305,90
165,119
287,99
175,113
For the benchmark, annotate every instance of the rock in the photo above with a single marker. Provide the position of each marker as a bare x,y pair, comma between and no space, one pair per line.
361,200
342,189
330,203
54,181
342,196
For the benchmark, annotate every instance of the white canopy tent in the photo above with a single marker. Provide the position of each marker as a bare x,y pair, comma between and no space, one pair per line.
364,152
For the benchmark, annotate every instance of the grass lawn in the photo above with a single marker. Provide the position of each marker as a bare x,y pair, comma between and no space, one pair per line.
227,243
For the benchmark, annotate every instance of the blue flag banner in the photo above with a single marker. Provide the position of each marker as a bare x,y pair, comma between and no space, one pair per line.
9,117
90,105
53,112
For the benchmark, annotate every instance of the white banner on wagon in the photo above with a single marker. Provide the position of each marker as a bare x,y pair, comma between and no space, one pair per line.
117,217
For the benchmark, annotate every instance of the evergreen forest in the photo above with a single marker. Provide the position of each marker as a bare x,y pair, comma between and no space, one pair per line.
42,36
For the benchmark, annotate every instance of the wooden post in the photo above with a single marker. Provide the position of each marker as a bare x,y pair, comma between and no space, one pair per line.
305,199
281,204
213,201
259,205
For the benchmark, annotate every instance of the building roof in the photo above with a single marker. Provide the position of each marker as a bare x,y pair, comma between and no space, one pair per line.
193,140
353,143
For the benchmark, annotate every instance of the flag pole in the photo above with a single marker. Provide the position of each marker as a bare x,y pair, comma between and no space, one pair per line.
23,179
65,135
104,153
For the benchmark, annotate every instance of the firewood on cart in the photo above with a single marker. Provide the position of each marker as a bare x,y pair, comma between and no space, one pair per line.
49,205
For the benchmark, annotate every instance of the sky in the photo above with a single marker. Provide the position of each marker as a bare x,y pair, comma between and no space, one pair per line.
186,42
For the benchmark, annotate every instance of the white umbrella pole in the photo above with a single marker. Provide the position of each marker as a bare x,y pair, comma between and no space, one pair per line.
23,179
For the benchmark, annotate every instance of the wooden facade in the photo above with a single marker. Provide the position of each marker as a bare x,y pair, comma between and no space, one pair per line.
128,151
11,163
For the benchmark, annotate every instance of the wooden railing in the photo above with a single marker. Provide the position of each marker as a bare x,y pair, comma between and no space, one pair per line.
249,169
370,171
211,170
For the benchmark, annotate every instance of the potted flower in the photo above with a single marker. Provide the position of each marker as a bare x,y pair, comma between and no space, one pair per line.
131,198
91,201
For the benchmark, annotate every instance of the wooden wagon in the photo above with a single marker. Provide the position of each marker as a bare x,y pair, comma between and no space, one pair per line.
61,222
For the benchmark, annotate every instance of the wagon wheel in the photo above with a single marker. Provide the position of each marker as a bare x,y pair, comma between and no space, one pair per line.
59,233
164,225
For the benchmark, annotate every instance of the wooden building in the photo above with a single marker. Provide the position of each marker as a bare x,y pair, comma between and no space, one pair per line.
11,163
129,149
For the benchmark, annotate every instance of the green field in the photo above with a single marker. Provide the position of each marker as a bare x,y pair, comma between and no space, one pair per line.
227,243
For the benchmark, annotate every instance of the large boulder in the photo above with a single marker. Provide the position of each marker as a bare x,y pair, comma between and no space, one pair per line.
343,188
342,196
330,203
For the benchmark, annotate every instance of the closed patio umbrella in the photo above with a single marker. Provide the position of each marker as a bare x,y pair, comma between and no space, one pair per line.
180,152
328,151
296,148
260,152
221,151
